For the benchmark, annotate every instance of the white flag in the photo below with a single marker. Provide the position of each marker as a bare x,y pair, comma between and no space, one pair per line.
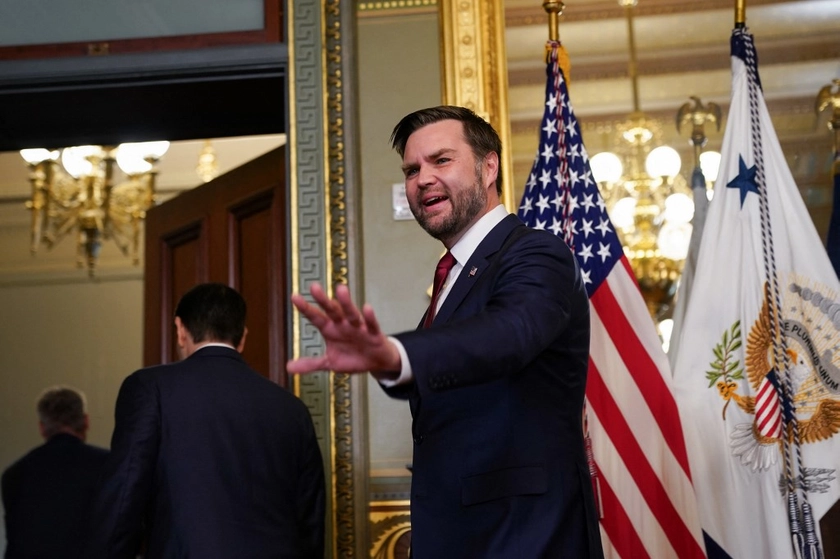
760,410
701,208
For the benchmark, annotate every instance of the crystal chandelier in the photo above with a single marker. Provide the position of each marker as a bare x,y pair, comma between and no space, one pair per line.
649,202
78,194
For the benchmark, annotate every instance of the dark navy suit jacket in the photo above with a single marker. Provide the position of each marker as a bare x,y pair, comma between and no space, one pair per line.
499,466
212,460
47,496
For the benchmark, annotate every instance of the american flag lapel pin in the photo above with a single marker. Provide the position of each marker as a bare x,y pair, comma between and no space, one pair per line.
473,271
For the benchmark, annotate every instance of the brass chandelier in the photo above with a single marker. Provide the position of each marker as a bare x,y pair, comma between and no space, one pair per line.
73,190
648,200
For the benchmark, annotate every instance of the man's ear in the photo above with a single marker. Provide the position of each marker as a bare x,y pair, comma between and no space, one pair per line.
241,345
491,162
42,430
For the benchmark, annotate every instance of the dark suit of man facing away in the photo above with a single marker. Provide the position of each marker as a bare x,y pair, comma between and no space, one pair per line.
209,458
496,382
47,494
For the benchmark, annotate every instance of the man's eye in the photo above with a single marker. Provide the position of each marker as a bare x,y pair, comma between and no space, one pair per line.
442,160
410,172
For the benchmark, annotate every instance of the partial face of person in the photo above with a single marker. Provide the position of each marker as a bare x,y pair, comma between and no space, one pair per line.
448,190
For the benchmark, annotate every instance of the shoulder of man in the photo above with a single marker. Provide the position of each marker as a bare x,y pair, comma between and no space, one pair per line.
95,450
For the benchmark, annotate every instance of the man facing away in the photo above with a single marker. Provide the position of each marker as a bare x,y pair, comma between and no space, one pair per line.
47,494
495,376
208,458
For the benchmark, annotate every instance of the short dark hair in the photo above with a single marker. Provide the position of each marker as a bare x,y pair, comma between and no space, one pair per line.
478,133
213,312
60,408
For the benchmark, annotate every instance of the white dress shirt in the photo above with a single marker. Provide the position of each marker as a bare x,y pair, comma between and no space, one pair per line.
462,251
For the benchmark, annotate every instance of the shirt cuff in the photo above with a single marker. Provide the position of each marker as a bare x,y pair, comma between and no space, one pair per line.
406,374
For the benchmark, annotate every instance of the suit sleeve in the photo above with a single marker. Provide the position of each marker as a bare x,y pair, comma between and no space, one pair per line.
535,293
311,496
126,485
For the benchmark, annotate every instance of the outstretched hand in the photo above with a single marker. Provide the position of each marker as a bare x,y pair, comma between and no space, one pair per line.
354,342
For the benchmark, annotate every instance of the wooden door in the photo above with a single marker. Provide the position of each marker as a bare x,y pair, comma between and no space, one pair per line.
230,230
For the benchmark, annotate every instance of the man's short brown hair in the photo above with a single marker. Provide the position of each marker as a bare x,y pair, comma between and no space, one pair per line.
478,133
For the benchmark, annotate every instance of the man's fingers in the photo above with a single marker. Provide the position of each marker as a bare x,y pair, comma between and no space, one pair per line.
348,309
371,323
312,314
303,365
329,306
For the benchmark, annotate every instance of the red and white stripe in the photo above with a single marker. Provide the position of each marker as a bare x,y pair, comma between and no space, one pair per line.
644,482
768,416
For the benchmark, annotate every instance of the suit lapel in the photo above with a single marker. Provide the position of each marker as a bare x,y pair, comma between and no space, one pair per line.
476,266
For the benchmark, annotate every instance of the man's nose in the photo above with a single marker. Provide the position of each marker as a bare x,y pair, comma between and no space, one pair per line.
425,176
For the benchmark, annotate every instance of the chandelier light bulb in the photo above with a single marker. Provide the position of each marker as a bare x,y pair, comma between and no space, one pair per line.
130,159
679,208
623,212
710,164
154,150
606,167
673,240
75,160
134,157
33,156
666,328
663,161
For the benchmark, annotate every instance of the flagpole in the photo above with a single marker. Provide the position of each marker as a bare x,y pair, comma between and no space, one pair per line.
554,9
740,13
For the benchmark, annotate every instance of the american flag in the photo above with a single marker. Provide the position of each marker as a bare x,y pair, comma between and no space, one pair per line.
640,465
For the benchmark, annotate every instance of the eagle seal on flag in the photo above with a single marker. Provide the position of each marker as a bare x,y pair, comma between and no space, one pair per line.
813,343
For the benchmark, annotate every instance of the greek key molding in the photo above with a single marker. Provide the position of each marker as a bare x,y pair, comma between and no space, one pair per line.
320,236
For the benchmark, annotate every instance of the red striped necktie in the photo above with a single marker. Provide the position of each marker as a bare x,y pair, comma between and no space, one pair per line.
446,263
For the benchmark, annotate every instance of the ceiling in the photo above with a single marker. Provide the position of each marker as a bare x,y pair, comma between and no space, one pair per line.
682,48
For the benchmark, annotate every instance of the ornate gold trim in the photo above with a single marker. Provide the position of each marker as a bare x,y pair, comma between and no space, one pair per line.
381,6
337,261
389,521
294,240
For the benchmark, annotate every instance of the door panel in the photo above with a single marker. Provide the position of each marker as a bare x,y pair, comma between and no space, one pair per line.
230,230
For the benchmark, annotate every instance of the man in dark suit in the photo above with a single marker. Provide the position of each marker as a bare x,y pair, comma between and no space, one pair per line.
47,494
496,373
209,458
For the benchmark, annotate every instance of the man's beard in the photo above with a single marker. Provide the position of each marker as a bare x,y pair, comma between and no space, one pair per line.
465,206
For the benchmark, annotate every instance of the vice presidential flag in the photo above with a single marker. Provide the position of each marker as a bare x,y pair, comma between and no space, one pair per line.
640,464
757,374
